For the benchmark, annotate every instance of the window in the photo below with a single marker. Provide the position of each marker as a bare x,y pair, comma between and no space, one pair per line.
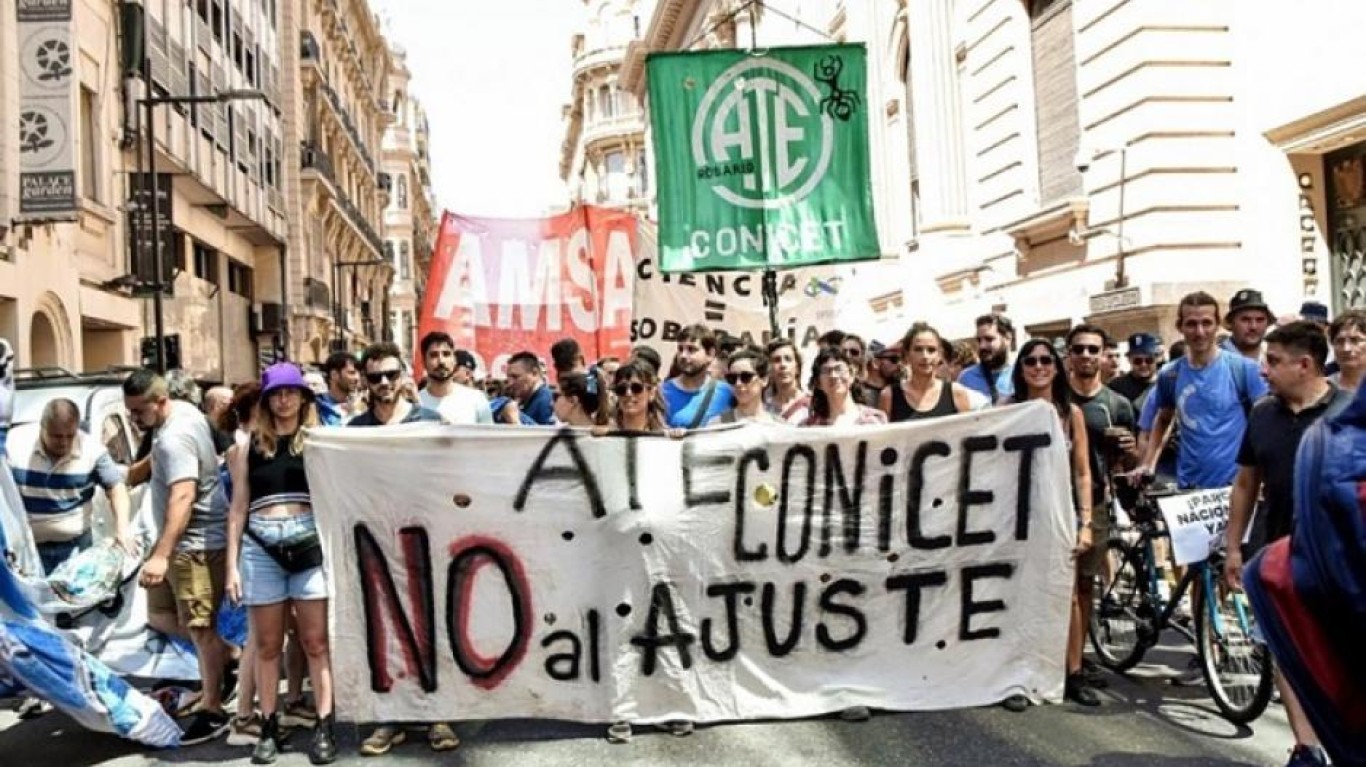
643,172
401,197
205,263
90,177
405,261
239,279
605,104
389,251
114,434
217,21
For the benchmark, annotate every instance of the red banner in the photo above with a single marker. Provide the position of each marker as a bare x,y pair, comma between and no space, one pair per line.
500,286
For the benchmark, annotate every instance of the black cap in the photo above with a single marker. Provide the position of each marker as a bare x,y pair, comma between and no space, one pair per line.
1313,311
1247,299
464,359
1144,343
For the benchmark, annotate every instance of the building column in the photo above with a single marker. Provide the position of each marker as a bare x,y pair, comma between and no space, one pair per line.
938,116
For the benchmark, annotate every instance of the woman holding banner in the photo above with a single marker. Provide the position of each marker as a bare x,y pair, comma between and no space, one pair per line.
834,394
784,397
747,374
922,394
281,560
579,401
1038,375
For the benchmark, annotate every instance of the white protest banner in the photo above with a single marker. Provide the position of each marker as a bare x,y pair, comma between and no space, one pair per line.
1196,522
737,573
728,301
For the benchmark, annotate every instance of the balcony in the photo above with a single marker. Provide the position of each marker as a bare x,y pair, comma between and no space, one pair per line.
597,58
631,123
313,159
344,116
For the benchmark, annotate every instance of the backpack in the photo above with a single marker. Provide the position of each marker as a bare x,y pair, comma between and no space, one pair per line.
1166,380
1309,591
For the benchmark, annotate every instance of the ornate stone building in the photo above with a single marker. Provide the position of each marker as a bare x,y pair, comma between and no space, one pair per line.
1064,160
603,155
336,112
410,220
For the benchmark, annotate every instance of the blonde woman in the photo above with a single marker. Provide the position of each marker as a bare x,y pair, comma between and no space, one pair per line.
281,558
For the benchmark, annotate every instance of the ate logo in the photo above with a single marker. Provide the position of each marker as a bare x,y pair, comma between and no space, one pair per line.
761,137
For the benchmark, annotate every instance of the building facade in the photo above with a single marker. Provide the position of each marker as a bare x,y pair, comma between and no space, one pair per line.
75,273
336,112
410,218
1063,160
603,157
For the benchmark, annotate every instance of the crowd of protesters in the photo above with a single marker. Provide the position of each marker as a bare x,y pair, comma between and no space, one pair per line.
235,519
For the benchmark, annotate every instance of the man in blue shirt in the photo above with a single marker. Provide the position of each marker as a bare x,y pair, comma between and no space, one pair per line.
337,404
693,397
990,377
526,386
1211,391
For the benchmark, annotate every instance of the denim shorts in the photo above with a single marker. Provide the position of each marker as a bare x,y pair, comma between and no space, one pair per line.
264,582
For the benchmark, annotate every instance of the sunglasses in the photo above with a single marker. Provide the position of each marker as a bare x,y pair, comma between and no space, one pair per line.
1030,362
382,375
853,353
747,377
1080,349
634,387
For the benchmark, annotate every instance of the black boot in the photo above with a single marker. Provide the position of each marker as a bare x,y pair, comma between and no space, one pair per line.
268,746
323,749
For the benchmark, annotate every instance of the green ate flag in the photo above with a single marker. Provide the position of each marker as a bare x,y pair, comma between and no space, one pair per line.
762,157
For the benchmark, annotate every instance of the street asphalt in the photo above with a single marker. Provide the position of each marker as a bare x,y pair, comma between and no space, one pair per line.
1145,721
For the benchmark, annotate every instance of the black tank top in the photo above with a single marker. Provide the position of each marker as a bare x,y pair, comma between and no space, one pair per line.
276,480
902,410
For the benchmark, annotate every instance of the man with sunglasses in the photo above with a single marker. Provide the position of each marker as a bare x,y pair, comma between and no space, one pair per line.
384,377
1143,351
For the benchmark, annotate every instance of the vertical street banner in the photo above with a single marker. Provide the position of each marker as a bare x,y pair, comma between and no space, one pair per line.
47,130
500,286
729,301
742,573
762,160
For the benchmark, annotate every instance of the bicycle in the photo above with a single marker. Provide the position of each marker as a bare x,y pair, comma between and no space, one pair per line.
1131,612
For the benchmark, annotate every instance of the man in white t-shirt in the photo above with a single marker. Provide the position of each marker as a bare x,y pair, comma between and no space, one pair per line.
457,403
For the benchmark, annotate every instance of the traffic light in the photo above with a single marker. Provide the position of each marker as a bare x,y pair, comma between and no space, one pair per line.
149,351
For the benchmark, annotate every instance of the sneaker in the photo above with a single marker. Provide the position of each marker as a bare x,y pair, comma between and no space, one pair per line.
1307,756
679,728
268,745
385,737
204,727
246,730
856,714
323,749
442,738
1015,703
32,708
298,713
619,732
1094,674
1076,691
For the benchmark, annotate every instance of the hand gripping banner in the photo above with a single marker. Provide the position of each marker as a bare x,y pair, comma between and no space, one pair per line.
738,573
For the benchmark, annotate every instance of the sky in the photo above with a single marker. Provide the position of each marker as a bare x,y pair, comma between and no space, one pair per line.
493,77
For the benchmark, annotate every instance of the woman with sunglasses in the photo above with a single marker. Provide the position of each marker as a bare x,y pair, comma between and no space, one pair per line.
1038,374
747,374
923,394
783,397
270,505
578,401
834,394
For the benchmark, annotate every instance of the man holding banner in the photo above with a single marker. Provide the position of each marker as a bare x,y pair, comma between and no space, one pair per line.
694,396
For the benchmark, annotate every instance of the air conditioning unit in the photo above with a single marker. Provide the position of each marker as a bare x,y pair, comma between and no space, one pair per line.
267,318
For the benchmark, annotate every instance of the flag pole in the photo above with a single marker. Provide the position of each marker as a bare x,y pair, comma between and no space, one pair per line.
768,286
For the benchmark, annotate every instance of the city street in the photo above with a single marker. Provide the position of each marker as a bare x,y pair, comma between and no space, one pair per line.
1144,722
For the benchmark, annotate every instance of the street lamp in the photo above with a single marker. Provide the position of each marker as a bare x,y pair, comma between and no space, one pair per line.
337,266
153,189
1085,158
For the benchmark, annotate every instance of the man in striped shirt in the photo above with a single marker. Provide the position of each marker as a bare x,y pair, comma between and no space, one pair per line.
56,467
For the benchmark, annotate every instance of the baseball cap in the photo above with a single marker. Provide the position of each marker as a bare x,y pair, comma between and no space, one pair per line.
888,351
1144,343
1313,311
1247,299
464,359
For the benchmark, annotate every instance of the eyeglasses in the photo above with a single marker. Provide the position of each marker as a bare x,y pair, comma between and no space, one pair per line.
382,375
853,353
1080,349
1141,360
1031,362
835,371
634,387
745,377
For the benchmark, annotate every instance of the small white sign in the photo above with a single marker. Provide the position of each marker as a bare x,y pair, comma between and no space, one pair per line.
1196,521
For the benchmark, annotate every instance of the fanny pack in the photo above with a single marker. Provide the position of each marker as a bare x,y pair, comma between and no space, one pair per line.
295,554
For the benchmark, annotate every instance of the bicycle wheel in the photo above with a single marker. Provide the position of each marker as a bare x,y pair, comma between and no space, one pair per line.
1237,670
1121,618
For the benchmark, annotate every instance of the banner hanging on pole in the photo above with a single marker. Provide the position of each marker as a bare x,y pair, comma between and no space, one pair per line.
762,160
500,286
